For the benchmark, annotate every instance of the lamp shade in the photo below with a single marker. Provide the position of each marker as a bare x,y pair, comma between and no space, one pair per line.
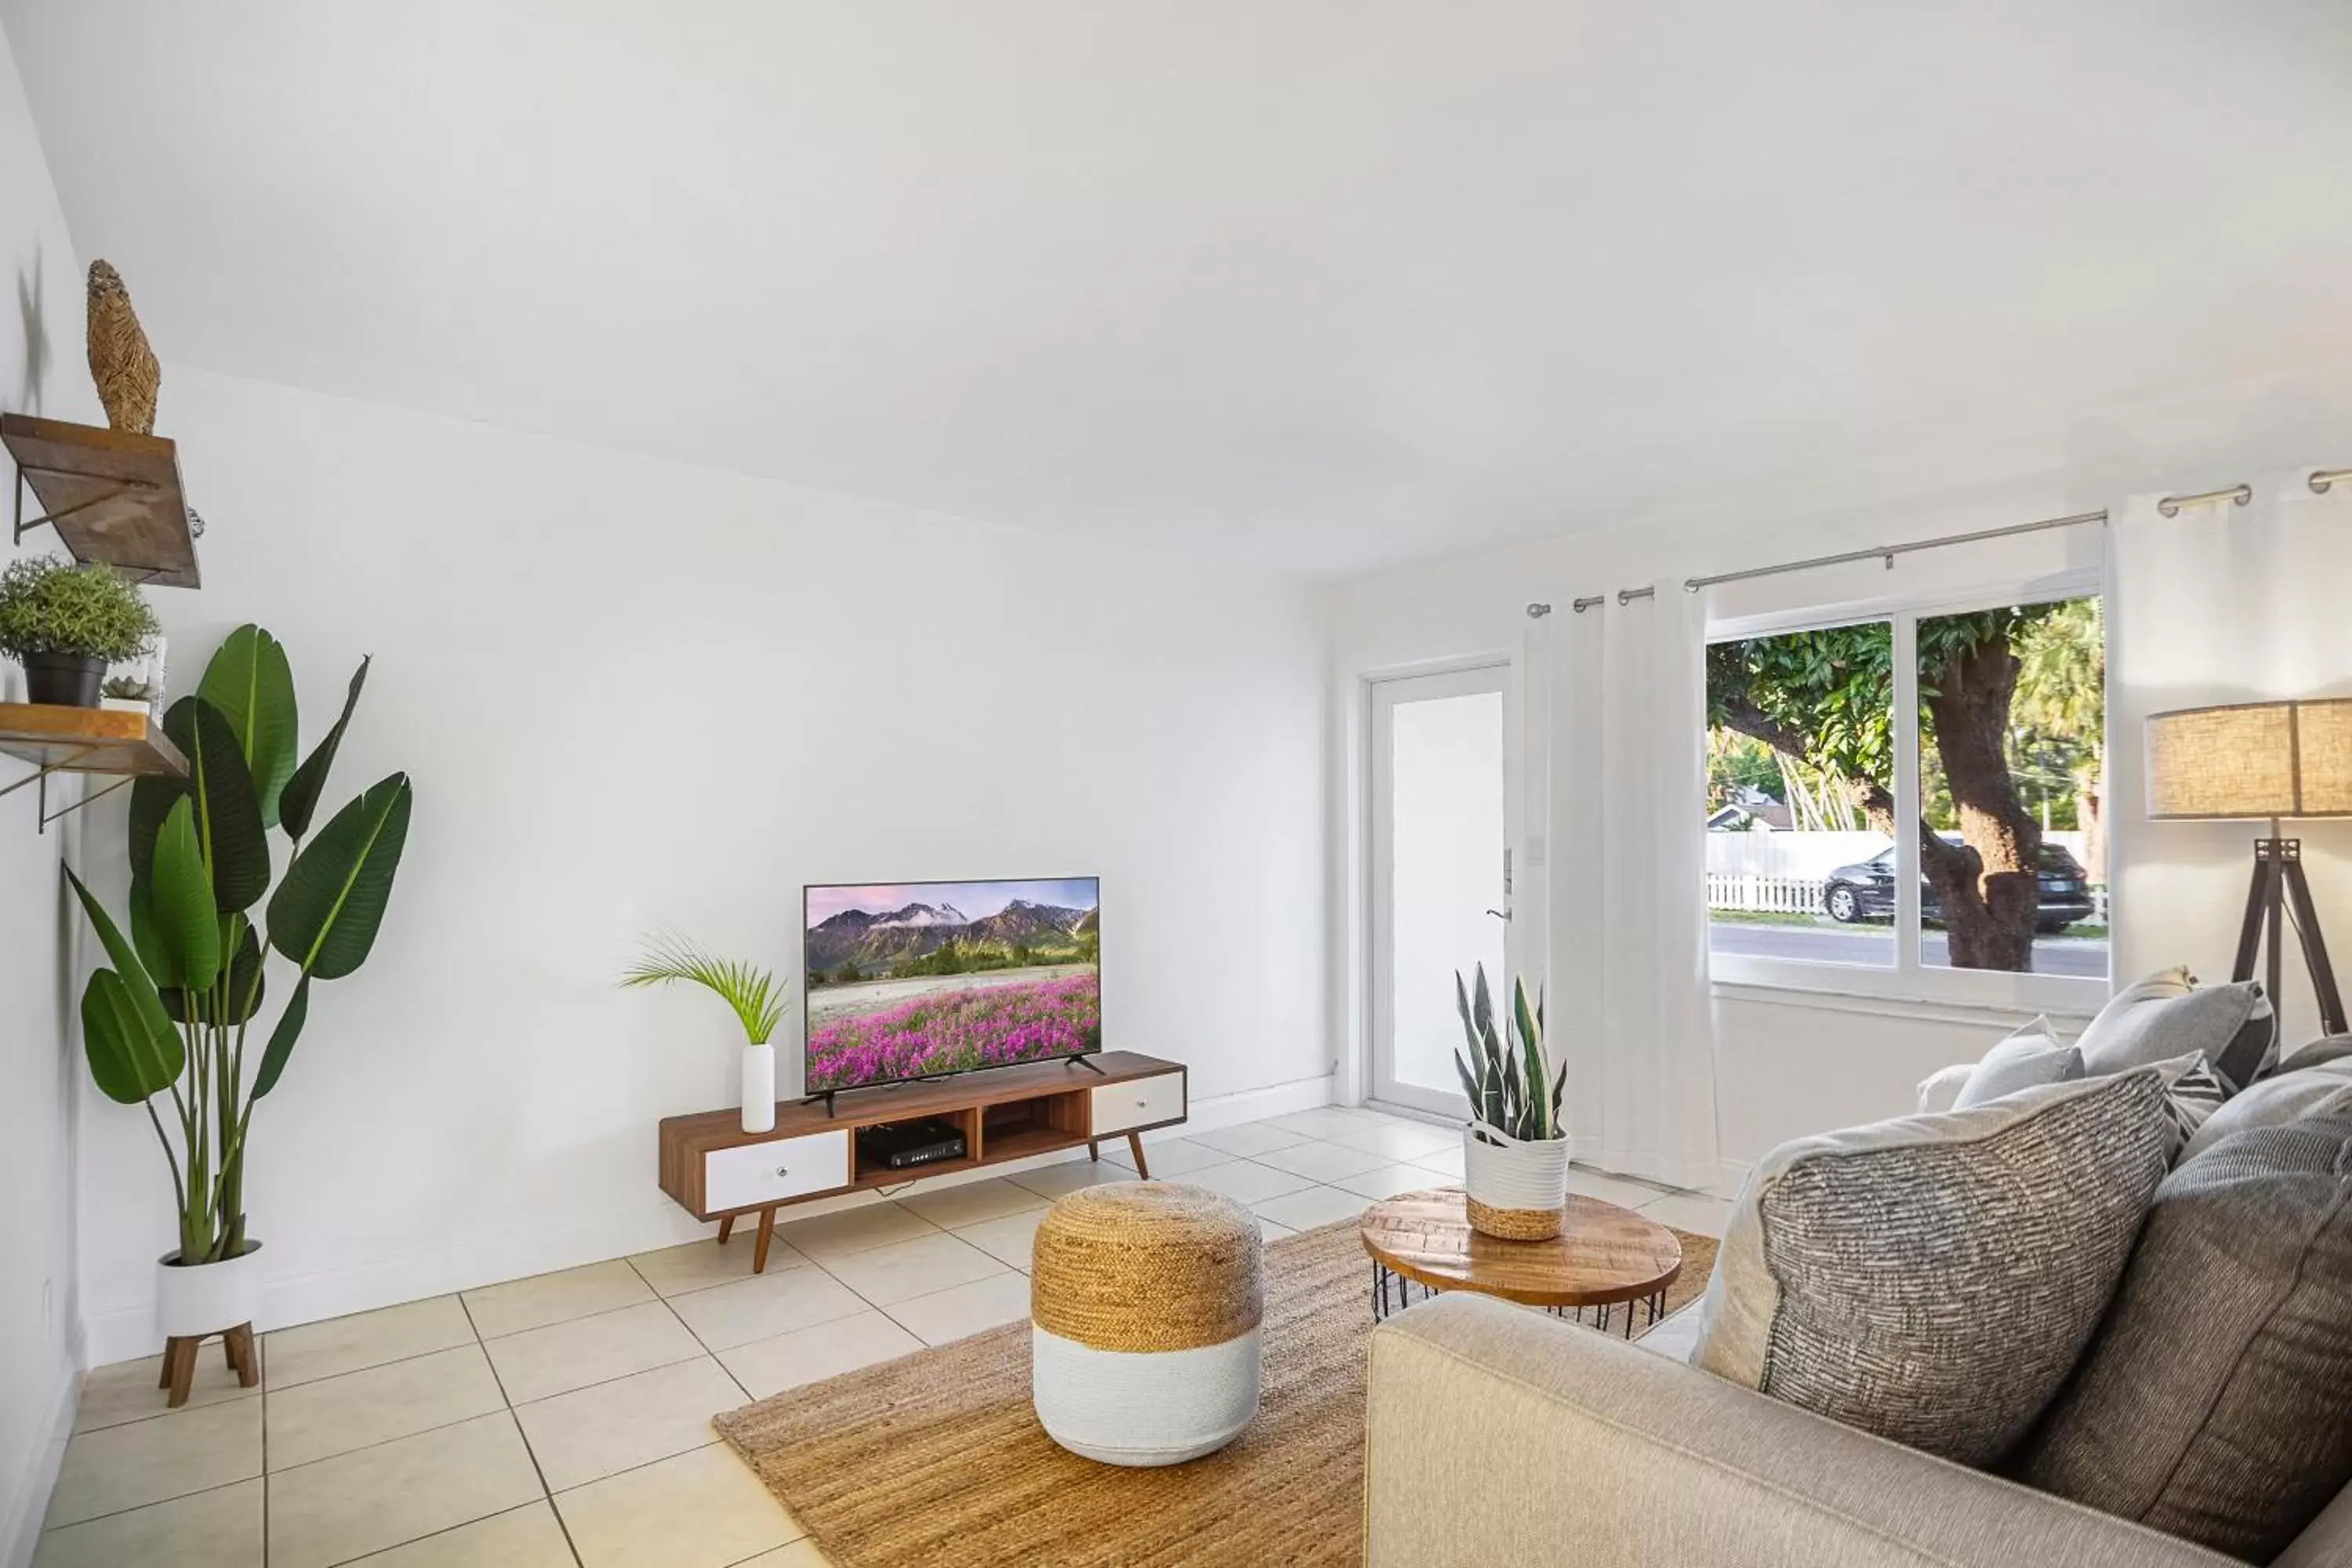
2252,758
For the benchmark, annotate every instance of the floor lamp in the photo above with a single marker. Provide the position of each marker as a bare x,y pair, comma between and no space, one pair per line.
2261,759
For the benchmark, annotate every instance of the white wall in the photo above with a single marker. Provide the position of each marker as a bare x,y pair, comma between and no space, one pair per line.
633,693
41,373
1789,1063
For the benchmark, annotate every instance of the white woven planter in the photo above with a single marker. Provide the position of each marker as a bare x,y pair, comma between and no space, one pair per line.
191,1303
1517,1190
1143,1407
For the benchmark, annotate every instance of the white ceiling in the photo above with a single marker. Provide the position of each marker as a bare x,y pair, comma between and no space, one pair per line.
1323,285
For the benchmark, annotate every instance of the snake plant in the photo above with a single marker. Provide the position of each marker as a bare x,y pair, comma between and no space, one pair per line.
1512,1089
170,1012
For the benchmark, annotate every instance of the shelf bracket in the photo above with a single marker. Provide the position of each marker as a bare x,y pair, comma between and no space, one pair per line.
48,817
23,527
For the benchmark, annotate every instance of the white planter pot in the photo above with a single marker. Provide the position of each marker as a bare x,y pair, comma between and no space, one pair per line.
1516,1190
759,1089
193,1302
124,704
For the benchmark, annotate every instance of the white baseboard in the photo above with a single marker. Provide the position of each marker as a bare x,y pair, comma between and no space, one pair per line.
500,1252
29,1498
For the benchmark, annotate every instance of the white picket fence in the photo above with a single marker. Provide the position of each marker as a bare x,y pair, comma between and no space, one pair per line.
1771,895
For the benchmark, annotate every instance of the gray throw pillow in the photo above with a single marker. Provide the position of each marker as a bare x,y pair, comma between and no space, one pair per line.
1933,1279
2212,1405
2278,1101
2319,1053
2027,1059
2168,1015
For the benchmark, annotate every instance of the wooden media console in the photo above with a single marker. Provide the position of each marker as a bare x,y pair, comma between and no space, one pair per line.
715,1171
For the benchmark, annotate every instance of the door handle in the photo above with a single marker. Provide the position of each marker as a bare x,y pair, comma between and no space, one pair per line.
1500,914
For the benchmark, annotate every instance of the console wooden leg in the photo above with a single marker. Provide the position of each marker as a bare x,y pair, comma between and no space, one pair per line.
1093,1150
180,1367
237,1345
1135,1147
759,1248
726,1227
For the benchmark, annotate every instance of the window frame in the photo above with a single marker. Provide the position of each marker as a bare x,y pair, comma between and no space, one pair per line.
1907,979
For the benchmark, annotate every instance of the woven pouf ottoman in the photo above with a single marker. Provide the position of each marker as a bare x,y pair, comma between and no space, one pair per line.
1144,1301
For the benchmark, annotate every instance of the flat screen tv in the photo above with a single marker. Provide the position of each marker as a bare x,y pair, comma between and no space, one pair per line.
910,979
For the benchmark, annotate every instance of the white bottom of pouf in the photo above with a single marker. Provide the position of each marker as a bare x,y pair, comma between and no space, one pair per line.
1143,1407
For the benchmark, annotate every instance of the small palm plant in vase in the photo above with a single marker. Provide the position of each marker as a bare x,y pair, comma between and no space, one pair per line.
1514,1151
753,993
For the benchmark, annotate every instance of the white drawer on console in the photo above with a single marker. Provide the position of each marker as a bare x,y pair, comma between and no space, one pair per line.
1139,1102
769,1173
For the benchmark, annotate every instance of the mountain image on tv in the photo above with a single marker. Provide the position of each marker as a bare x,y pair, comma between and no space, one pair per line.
915,979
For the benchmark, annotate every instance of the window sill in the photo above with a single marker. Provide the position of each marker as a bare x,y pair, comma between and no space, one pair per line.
1965,997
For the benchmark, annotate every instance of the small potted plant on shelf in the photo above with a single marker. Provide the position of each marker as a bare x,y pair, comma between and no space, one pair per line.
1514,1150
123,694
64,624
752,992
165,1020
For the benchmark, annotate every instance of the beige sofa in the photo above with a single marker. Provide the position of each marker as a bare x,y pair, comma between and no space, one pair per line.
1496,1436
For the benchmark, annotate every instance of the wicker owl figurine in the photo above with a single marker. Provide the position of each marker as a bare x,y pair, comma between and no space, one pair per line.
120,360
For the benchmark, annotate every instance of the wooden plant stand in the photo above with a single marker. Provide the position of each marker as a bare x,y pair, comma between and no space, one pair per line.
180,1362
715,1171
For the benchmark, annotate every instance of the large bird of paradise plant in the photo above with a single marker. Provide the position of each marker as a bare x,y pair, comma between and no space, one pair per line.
170,1013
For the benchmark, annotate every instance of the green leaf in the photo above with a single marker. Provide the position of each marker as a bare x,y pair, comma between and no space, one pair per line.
128,1059
301,797
245,986
751,992
1537,1079
229,815
147,941
149,1007
325,914
250,682
186,925
152,796
282,1037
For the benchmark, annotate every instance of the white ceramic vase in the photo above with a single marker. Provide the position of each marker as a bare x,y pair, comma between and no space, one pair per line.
209,1296
1516,1190
759,1089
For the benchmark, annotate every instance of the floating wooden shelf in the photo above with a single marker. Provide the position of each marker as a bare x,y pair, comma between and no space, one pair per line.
87,741
111,496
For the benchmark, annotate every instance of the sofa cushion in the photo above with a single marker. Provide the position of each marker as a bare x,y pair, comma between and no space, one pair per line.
2026,1059
1933,1279
2318,1052
2168,1015
2275,1101
2212,1405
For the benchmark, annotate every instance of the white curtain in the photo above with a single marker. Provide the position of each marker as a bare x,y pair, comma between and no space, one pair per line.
2222,603
1623,810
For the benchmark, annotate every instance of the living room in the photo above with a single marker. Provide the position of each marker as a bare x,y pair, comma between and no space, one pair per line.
1209,524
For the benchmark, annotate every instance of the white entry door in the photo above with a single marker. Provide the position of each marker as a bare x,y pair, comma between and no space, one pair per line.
1440,884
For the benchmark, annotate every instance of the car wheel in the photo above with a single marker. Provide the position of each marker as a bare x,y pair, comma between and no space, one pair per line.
1843,906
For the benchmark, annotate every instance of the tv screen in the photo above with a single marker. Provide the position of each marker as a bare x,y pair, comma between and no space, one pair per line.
915,979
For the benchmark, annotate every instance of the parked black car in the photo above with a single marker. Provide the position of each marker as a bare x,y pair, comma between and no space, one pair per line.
1865,891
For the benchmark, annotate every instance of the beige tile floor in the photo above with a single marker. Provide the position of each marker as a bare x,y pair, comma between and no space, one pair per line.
565,1420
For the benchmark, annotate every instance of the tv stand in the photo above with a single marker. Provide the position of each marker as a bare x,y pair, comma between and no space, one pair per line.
715,1171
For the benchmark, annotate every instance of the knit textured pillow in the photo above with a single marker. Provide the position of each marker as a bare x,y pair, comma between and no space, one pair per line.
1933,1279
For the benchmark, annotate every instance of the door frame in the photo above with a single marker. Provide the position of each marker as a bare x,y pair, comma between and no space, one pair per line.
1477,672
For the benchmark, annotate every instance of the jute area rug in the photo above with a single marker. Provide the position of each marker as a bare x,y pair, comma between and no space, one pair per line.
937,1460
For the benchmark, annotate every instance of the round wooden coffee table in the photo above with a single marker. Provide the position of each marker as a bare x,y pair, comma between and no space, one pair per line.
1604,1257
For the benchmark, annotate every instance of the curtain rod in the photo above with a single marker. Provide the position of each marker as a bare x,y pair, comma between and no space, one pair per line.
1887,552
2321,482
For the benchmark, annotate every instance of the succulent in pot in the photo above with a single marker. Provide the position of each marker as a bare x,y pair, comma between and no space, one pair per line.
1515,1150
64,624
753,994
125,694
167,1020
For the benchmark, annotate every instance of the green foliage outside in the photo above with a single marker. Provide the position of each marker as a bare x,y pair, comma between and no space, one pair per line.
49,605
